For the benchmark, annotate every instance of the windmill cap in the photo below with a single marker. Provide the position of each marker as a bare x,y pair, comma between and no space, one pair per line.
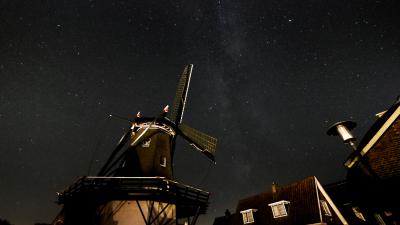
350,125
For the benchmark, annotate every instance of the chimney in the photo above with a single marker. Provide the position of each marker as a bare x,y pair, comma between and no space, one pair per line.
275,190
274,187
227,213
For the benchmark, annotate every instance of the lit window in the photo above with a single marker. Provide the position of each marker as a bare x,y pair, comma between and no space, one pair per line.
325,208
358,213
379,219
279,208
248,216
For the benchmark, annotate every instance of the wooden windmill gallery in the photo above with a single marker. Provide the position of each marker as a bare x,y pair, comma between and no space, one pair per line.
136,185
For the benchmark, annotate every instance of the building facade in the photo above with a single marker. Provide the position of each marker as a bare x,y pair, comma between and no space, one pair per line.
302,202
370,193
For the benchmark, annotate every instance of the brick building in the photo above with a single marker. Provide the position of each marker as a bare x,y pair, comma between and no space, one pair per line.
302,202
370,194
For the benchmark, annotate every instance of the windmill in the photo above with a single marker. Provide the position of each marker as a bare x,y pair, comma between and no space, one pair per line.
152,140
136,183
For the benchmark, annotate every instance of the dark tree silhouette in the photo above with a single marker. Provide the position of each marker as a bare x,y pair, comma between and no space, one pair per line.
4,222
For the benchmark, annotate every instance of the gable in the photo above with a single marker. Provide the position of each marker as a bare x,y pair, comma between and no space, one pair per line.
327,206
381,145
384,156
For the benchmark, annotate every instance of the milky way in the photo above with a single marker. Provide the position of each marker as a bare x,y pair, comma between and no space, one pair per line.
269,78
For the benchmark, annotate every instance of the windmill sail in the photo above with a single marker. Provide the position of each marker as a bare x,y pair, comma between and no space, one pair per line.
178,107
203,142
117,149
152,140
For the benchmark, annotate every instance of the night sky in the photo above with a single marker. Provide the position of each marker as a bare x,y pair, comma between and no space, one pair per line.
269,78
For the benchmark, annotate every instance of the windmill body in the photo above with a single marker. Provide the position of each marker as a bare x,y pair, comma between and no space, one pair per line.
152,156
135,185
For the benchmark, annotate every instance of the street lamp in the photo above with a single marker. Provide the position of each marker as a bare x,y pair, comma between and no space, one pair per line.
343,129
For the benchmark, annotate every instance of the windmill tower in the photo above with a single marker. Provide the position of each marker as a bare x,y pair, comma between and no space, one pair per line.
135,185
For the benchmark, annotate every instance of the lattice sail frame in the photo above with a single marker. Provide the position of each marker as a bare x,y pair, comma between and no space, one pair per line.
178,106
201,141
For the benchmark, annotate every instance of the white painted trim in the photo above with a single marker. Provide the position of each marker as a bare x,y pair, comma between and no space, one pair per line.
319,206
279,203
329,200
378,135
248,212
325,207
154,126
276,205
187,90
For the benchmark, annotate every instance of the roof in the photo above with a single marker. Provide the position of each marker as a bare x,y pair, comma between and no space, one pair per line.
380,146
303,207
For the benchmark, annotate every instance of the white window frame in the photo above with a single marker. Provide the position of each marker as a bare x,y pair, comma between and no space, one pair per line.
325,208
279,208
248,216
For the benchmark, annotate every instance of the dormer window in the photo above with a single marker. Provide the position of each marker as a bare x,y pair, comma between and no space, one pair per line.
279,208
248,216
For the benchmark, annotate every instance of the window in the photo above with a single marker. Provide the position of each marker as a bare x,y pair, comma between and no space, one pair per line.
163,161
379,219
146,143
248,216
358,213
325,208
279,208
